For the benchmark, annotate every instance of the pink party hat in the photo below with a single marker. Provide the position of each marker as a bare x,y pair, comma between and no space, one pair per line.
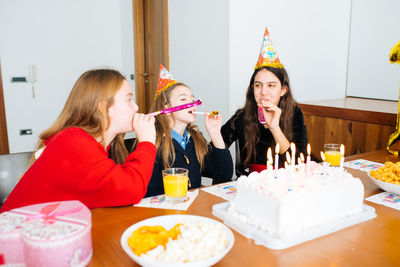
268,56
165,80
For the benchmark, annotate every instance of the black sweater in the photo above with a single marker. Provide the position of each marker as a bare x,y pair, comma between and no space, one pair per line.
230,135
217,165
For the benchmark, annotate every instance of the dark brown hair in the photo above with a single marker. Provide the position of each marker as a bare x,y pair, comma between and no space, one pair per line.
250,115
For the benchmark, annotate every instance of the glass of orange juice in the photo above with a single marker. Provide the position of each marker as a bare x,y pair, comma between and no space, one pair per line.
175,184
332,154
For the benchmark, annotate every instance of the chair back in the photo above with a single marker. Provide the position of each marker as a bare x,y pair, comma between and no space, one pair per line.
239,167
12,166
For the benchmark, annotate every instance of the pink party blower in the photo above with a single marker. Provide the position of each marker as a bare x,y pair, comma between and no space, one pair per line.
261,115
177,108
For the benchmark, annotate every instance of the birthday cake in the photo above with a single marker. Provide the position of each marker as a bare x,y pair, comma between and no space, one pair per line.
47,234
294,199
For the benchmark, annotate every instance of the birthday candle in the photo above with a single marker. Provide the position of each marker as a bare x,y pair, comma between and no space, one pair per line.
288,157
276,158
293,148
308,153
269,159
342,158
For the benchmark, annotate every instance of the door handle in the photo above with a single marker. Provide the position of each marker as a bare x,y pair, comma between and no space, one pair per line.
144,74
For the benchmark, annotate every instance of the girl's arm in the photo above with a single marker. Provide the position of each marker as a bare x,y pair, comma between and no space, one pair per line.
213,126
218,164
229,131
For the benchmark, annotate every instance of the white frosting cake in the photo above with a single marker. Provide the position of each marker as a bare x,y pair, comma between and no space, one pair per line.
293,200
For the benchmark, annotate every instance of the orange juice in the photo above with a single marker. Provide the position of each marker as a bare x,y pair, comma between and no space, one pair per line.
333,157
175,185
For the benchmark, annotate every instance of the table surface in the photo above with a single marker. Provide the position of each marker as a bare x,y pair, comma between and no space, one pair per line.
372,243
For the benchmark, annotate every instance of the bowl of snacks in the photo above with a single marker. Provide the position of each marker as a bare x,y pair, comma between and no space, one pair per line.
387,177
177,240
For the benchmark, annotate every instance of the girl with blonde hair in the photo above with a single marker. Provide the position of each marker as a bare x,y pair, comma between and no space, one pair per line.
181,144
73,157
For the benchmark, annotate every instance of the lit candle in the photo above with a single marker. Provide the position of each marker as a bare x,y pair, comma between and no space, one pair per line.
269,159
301,158
288,157
293,148
302,168
342,158
276,162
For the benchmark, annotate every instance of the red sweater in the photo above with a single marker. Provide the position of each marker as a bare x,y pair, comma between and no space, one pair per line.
74,166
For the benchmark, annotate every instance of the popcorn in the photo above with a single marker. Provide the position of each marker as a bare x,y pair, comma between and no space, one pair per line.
198,241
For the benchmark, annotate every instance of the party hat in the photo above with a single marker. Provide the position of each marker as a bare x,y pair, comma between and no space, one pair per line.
268,56
165,80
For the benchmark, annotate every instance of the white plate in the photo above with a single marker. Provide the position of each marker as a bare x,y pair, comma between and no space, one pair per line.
274,242
169,221
389,187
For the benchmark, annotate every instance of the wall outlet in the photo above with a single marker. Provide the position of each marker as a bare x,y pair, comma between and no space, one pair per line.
19,80
25,132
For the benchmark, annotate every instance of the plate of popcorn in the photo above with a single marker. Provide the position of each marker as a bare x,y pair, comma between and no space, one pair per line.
387,177
177,240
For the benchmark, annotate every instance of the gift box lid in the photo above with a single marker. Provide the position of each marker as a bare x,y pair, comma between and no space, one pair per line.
48,221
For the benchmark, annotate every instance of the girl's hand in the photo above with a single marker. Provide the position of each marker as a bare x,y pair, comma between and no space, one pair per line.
272,114
213,126
144,127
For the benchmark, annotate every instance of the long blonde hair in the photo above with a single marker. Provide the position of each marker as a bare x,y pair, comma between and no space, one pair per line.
163,129
87,108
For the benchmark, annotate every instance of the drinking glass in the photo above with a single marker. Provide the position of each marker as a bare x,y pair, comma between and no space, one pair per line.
175,184
332,154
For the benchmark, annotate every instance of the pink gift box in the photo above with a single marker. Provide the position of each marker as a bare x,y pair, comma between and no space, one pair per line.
47,234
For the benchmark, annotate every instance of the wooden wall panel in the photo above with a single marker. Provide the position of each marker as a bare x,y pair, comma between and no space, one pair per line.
358,137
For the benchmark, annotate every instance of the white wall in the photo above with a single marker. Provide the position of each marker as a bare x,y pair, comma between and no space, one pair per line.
199,51
214,46
311,38
63,39
375,29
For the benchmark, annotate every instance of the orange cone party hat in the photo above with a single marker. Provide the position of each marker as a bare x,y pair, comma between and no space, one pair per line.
165,80
268,56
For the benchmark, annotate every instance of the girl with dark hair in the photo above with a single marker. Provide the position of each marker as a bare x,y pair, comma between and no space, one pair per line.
269,92
181,144
72,159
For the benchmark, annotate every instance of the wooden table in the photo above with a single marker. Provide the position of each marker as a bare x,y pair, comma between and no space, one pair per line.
372,243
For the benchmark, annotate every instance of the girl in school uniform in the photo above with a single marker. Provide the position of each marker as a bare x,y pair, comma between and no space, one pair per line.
181,144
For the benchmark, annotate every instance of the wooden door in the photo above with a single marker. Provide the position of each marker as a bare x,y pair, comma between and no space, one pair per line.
151,47
4,148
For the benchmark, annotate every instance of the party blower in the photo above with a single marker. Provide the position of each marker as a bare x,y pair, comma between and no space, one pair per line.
177,108
261,115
